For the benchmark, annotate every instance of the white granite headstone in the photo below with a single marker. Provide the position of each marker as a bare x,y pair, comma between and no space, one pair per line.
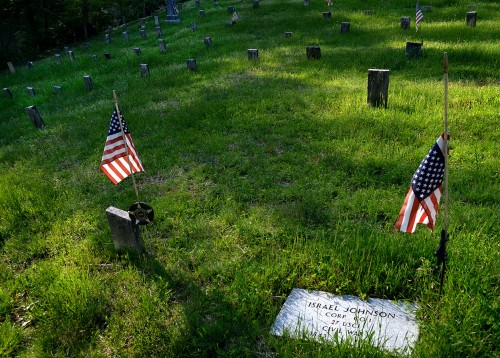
324,317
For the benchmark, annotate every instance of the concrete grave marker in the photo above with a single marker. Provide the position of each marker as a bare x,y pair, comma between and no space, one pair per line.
159,33
253,54
193,26
144,36
125,35
157,20
256,4
107,38
207,41
202,13
107,56
191,64
94,57
31,91
144,69
471,18
345,27
71,55
414,49
405,22
143,23
57,89
324,317
66,49
57,58
125,233
137,51
327,15
230,9
11,67
8,93
378,87
163,46
306,2
288,34
35,116
29,64
313,52
88,82
197,3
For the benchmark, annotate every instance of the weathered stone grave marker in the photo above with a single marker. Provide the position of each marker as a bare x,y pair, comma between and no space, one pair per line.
414,49
157,20
57,58
125,233
216,2
31,91
378,87
256,4
35,116
288,34
110,29
230,9
306,2
66,49
11,67
144,69
144,36
324,317
191,64
253,54
159,33
202,13
137,51
94,57
405,22
313,52
125,35
327,15
198,3
345,27
88,82
471,18
163,46
143,22
107,38
57,89
172,12
71,55
207,41
29,64
107,56
8,93
193,26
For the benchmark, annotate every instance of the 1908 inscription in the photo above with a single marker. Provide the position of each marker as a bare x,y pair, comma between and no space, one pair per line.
322,316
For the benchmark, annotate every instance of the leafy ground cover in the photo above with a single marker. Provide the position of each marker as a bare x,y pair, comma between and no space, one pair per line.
264,175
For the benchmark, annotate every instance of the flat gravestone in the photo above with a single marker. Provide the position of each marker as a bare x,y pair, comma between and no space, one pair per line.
57,89
125,233
324,317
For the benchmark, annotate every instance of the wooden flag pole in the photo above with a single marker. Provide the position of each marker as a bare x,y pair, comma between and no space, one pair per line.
126,146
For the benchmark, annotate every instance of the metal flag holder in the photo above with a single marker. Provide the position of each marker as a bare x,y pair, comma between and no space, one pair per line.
441,253
140,213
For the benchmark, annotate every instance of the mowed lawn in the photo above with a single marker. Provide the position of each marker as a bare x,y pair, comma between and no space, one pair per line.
264,176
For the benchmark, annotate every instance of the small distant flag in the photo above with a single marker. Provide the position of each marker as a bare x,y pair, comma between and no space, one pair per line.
235,17
422,201
114,162
419,17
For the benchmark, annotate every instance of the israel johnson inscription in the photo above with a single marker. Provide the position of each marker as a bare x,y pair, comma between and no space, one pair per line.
322,316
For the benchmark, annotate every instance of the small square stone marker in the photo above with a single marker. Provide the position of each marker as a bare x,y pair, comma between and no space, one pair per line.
125,233
322,316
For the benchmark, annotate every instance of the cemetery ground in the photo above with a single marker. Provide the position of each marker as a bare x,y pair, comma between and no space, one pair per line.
265,175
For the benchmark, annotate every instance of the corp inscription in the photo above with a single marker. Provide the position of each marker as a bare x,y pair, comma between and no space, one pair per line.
325,317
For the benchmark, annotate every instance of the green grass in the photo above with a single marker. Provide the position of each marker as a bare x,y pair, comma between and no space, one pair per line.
264,176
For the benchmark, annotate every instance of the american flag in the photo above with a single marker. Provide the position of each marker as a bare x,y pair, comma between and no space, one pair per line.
114,162
235,17
419,17
422,201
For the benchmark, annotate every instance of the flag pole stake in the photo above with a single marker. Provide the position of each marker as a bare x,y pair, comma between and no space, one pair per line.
441,253
126,146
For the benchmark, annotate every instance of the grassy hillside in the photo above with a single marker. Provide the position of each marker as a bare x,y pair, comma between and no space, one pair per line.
264,175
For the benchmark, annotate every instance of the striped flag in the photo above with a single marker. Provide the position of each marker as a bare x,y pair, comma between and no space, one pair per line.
235,17
422,201
419,17
114,162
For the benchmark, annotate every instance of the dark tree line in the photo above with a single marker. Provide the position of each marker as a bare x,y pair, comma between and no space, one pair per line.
31,28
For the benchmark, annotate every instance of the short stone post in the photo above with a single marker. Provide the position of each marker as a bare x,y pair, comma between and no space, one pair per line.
471,18
159,33
88,82
125,233
137,51
11,67
144,36
71,55
163,46
327,15
256,4
253,54
288,34
378,87
202,13
413,49
125,35
191,64
94,57
57,58
144,69
107,56
108,38
31,91
35,116
7,92
405,22
207,41
313,52
345,27
57,89
29,64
